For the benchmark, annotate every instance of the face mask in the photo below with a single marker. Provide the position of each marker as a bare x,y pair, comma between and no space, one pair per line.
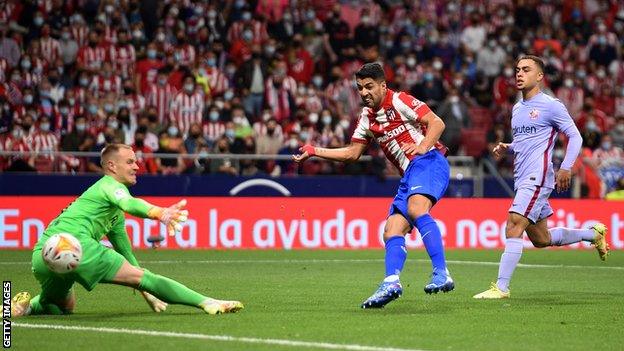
28,99
508,72
228,95
269,50
38,21
454,99
25,64
66,36
44,127
211,62
137,34
84,82
173,131
160,37
15,78
246,16
113,124
317,81
559,153
72,101
327,119
81,127
411,62
293,143
581,74
214,116
345,124
568,83
64,111
437,65
93,109
591,126
109,108
600,74
620,127
492,44
606,145
313,118
151,54
17,133
162,81
189,88
428,76
219,104
229,133
247,35
212,14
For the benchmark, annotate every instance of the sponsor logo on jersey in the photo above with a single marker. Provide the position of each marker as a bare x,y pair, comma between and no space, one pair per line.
120,194
524,130
391,134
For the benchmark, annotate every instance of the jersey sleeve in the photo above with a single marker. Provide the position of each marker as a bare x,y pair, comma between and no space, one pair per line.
410,107
560,118
120,241
118,195
362,133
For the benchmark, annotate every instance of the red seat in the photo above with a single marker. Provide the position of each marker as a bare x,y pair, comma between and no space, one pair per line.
480,117
474,141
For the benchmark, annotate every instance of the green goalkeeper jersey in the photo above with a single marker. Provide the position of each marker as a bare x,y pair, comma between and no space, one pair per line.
99,212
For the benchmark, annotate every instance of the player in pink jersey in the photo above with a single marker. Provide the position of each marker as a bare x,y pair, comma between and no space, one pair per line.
408,132
535,121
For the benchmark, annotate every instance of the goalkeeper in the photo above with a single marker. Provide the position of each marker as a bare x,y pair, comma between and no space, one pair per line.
99,211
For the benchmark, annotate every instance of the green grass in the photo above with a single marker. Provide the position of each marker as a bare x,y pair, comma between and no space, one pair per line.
551,308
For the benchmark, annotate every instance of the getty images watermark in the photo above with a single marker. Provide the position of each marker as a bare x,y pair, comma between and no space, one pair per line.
6,314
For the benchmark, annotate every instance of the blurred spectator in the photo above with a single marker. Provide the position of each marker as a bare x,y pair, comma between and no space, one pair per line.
187,106
15,141
617,133
269,143
68,47
223,165
9,49
490,58
474,35
290,147
280,90
160,95
45,140
618,193
300,64
145,161
171,142
454,113
195,139
571,95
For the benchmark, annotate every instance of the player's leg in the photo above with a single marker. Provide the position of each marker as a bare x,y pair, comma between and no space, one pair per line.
427,179
516,224
396,253
169,290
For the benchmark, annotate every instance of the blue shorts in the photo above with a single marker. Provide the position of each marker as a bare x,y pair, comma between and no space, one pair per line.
425,175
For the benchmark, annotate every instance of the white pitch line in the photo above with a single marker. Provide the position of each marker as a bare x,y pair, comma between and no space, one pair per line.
248,340
371,260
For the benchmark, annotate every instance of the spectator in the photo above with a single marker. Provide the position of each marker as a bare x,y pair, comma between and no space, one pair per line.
617,133
187,106
454,113
224,165
195,139
145,161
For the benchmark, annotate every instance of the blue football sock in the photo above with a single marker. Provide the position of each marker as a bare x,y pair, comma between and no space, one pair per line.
396,254
432,238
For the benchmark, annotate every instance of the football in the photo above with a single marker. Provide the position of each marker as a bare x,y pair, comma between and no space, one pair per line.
62,253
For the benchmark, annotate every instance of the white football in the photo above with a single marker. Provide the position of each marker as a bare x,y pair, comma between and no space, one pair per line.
62,253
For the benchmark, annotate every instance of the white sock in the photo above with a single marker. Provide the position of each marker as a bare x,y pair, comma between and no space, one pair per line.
561,236
509,261
391,278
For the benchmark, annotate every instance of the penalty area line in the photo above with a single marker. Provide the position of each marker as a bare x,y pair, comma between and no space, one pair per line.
227,338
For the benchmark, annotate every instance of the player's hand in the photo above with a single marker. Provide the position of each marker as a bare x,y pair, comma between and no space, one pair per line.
307,151
414,149
171,217
154,303
500,150
562,180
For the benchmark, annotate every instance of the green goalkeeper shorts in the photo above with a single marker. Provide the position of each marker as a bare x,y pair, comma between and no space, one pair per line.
98,263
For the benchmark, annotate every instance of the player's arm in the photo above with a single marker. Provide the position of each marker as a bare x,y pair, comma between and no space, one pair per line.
170,216
349,153
435,127
563,122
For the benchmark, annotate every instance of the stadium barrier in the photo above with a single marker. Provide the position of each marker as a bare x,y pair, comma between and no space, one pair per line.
309,223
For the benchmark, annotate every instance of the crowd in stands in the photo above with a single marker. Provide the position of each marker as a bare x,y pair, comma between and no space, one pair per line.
264,77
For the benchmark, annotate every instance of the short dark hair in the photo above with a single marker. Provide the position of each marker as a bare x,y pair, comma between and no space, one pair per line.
538,60
371,70
109,150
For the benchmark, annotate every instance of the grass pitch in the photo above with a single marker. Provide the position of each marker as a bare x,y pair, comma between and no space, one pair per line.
309,300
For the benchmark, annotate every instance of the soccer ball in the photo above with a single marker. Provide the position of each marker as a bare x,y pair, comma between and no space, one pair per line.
62,253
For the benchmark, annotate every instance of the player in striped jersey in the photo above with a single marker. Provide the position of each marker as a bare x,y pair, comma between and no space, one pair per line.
408,132
536,119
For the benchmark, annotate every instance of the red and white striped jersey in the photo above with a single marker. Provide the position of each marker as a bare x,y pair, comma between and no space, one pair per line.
213,130
45,6
91,58
80,94
50,48
160,97
396,122
186,55
123,58
278,98
217,81
186,110
101,85
45,141
259,29
110,35
30,79
80,34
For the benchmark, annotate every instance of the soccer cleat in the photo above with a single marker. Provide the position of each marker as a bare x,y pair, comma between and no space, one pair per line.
600,240
493,293
440,281
213,306
20,304
386,292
